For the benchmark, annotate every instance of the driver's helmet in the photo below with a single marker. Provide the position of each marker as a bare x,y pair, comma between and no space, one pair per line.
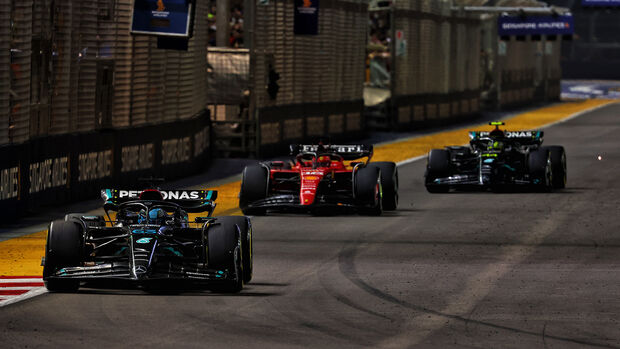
155,216
324,160
495,145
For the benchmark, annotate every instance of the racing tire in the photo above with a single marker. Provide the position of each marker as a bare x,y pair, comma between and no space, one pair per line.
254,185
100,222
389,183
368,191
247,249
558,166
437,166
64,248
540,170
224,253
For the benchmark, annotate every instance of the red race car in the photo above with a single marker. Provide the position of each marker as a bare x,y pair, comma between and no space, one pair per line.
319,179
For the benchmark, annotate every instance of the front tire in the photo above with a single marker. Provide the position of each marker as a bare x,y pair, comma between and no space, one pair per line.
224,253
368,191
437,166
389,183
541,175
247,249
64,248
558,166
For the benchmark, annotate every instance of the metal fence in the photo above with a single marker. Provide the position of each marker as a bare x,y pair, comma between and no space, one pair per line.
71,66
320,76
436,55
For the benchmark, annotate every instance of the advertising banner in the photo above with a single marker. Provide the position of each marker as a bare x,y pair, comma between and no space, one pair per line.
162,18
600,3
535,25
306,17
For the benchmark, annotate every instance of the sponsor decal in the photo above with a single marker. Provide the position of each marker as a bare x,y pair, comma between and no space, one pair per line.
535,25
95,165
50,173
306,17
518,134
167,194
137,157
9,183
144,240
176,150
162,17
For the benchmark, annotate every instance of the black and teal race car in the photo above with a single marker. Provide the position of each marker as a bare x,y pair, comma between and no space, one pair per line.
147,239
497,160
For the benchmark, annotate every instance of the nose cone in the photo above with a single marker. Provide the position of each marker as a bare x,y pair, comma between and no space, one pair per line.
309,183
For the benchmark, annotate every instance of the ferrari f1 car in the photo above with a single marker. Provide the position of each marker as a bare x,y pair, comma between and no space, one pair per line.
496,160
320,178
150,241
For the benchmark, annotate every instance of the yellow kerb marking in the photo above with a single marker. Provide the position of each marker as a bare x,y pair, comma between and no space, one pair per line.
22,256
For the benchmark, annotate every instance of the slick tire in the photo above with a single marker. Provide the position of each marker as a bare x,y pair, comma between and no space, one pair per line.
558,166
224,253
368,191
437,166
540,170
100,222
389,183
247,249
64,248
254,185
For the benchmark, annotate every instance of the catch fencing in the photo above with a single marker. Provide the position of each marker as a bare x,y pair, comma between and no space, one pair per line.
436,59
83,103
320,76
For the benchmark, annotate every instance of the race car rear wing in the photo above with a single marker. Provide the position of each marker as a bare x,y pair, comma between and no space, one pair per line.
348,152
193,201
523,137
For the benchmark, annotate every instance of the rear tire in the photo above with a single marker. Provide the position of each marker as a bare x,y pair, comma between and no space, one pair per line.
437,166
254,184
389,183
368,191
558,166
64,248
540,170
224,253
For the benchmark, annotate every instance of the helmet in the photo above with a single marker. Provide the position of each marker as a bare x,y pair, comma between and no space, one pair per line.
495,145
155,216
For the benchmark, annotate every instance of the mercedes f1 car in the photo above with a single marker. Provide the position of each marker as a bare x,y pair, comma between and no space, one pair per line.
147,239
496,160
320,178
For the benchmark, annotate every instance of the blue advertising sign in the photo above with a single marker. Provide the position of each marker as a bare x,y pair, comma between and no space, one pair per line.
162,18
306,17
600,3
535,25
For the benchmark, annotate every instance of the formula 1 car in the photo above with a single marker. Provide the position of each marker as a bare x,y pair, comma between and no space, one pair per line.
319,180
150,241
497,159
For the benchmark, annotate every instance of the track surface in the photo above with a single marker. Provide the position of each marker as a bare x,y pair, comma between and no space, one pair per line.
462,270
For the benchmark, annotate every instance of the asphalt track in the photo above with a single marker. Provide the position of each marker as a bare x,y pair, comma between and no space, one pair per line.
462,270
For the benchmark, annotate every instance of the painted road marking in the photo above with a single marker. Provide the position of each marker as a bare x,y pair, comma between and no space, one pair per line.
17,288
22,256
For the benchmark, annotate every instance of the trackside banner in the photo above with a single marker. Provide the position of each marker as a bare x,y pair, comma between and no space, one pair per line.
306,17
600,3
535,25
162,17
